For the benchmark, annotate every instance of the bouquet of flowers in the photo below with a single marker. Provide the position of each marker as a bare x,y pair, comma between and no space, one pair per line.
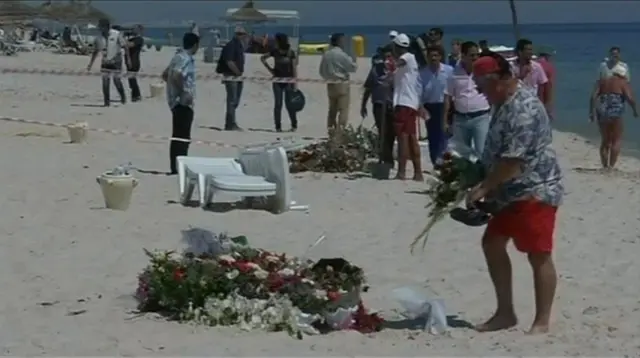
448,189
256,289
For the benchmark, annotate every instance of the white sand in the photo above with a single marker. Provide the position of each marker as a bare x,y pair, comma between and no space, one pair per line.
61,247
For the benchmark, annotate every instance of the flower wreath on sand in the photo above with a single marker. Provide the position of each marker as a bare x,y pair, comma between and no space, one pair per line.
251,288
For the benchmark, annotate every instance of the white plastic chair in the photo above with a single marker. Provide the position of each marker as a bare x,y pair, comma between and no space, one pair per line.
274,182
194,171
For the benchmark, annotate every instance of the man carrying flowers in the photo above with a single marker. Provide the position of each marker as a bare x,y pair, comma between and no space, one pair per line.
523,181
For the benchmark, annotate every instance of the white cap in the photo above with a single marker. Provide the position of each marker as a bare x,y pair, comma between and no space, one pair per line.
393,34
620,70
401,40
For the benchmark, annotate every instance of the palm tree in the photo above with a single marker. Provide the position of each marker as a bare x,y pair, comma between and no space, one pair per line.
514,19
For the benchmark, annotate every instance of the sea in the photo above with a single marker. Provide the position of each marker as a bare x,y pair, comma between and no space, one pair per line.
580,48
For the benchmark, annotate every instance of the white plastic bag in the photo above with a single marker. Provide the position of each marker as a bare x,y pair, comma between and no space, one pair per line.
418,306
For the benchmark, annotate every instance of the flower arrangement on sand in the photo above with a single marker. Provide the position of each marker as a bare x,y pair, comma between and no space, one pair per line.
447,190
256,289
344,152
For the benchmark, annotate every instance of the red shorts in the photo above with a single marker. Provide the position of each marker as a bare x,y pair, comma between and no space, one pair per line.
529,223
405,120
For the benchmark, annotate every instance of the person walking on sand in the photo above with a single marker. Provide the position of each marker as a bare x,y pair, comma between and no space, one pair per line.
524,181
285,65
111,43
180,77
135,44
336,65
607,107
406,103
472,116
433,83
544,59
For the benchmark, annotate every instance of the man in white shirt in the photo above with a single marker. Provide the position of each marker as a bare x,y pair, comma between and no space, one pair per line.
406,102
111,43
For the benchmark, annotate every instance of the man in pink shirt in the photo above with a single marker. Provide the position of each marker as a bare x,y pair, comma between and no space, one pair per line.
471,110
544,59
531,72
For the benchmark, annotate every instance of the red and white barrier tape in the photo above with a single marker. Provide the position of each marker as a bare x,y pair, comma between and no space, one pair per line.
205,77
142,136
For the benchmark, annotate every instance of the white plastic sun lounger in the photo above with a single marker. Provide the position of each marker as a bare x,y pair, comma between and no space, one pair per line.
194,171
274,181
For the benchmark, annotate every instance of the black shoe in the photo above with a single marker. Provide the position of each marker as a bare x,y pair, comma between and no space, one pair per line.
234,128
136,99
293,129
173,172
279,130
470,217
123,100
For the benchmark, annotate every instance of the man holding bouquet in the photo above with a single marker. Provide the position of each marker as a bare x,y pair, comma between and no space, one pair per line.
524,184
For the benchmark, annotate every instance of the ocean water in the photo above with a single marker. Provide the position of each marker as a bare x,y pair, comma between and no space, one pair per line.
580,48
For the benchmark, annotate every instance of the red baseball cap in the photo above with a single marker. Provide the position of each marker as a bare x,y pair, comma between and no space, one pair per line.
485,65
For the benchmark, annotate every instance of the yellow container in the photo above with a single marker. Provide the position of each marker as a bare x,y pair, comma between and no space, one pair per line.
357,45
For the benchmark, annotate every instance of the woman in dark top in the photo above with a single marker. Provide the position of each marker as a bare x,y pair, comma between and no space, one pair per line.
284,65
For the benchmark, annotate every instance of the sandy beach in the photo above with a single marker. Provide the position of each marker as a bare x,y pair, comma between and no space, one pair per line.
69,266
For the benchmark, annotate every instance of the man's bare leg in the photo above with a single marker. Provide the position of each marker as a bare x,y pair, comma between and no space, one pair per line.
615,141
499,265
414,151
544,281
403,154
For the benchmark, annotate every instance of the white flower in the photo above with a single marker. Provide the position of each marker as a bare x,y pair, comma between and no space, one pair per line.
286,272
321,294
261,274
226,258
306,280
232,274
253,265
272,258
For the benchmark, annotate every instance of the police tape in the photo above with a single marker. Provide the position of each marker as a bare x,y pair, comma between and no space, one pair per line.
148,136
202,77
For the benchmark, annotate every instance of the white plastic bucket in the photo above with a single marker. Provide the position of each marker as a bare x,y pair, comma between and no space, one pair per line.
156,89
78,132
117,190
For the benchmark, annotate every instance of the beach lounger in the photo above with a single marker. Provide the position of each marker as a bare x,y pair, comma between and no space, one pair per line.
273,180
194,171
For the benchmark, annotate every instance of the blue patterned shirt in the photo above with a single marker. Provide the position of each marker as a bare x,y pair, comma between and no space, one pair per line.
520,128
183,63
433,84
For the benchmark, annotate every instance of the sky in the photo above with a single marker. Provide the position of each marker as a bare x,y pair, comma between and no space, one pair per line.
380,12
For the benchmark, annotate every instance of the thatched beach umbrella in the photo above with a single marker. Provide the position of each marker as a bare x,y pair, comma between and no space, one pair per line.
86,12
13,12
73,12
248,13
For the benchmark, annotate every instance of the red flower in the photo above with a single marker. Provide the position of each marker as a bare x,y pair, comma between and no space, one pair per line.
178,274
275,282
333,296
243,266
365,322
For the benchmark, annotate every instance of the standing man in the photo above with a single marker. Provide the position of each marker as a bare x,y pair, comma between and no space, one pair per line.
135,44
606,67
111,43
454,56
194,28
530,72
433,81
484,46
336,65
180,76
525,182
471,117
379,87
406,103
435,37
231,64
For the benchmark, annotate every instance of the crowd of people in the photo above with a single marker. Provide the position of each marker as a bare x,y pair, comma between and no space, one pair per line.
471,98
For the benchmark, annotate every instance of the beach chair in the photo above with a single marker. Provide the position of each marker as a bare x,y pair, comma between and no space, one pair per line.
274,181
194,171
